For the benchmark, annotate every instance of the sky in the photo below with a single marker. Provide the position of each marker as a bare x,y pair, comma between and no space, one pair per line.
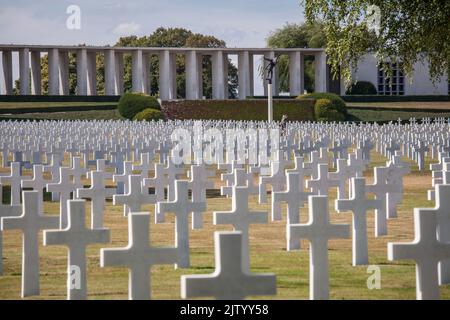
240,23
244,23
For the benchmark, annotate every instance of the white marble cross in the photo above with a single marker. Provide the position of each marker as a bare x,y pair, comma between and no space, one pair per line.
442,212
139,256
358,204
321,185
77,172
295,197
182,206
64,187
53,168
230,281
122,179
159,183
198,184
426,251
37,183
14,180
136,196
278,182
144,166
6,211
76,237
241,217
98,193
31,222
380,188
318,231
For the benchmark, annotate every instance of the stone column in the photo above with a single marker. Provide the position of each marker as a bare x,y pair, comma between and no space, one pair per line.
7,72
82,72
192,85
218,75
53,72
36,73
167,75
137,71
275,88
244,74
145,73
251,76
110,73
119,70
64,89
320,84
92,73
226,71
200,75
295,73
24,64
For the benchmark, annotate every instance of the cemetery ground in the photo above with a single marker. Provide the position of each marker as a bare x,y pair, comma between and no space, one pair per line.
358,111
267,248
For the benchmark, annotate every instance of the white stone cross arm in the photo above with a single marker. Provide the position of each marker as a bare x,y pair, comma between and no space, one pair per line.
426,251
139,256
230,281
76,237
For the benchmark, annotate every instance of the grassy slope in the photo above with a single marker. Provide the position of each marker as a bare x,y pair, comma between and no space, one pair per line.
267,255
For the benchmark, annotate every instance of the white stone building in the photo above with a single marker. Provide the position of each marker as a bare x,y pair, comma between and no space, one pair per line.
420,84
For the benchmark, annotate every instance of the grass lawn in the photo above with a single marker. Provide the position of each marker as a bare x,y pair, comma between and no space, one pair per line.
445,105
267,254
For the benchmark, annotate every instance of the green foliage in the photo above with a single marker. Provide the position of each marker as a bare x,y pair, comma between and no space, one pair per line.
409,31
325,110
131,104
296,110
297,36
362,88
149,115
337,101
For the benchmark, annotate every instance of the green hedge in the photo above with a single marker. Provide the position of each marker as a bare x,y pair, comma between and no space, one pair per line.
149,115
296,110
46,98
131,104
19,110
325,110
362,88
337,102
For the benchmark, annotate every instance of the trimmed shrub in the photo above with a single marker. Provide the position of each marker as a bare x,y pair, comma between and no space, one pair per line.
325,110
338,103
131,104
149,115
245,110
362,88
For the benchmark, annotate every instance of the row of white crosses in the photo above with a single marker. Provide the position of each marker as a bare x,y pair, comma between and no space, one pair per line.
239,217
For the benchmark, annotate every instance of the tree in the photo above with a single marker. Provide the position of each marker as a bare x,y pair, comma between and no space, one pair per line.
408,31
297,36
162,37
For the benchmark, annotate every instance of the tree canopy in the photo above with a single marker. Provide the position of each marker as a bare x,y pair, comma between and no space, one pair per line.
408,31
297,36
